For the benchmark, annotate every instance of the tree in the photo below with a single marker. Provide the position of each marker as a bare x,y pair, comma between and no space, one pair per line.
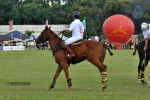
90,11
31,13
5,11
28,33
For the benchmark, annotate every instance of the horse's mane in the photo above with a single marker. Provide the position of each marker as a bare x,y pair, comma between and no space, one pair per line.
60,39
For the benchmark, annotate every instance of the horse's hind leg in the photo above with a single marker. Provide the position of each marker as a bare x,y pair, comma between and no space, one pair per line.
59,69
102,69
104,78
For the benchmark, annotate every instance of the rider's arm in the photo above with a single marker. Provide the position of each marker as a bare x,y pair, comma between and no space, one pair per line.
70,28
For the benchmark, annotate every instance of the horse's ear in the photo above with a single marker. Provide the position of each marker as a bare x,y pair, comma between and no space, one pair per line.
46,27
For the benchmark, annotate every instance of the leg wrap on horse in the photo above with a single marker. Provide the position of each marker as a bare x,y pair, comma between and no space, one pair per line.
69,82
52,84
142,75
139,76
104,81
104,76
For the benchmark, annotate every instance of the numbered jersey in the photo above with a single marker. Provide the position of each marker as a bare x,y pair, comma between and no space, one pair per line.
77,28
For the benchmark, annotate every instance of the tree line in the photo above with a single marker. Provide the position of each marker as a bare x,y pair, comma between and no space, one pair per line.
95,12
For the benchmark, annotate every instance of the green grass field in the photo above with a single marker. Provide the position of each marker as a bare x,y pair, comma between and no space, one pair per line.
38,68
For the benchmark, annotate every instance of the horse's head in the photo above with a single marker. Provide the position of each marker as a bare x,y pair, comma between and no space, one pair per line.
47,35
42,37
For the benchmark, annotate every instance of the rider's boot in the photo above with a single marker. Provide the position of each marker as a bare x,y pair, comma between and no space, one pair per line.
71,53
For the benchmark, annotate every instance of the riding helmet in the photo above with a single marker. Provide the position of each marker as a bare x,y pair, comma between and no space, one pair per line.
144,26
76,14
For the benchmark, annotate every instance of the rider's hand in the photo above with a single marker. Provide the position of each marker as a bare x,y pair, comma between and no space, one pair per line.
63,31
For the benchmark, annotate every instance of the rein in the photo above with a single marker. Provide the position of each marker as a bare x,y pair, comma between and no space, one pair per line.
57,46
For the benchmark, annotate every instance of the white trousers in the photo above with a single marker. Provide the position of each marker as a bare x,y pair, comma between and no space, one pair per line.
72,40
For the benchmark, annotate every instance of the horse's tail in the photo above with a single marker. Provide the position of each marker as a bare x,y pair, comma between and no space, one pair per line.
136,47
104,52
108,48
134,52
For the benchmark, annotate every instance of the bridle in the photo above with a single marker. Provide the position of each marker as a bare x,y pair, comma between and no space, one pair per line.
57,46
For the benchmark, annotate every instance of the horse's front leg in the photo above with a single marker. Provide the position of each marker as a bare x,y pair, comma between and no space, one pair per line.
58,70
143,69
66,71
139,71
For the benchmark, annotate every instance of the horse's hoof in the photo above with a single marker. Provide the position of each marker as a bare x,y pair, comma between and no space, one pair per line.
49,89
103,88
104,85
139,80
143,81
69,88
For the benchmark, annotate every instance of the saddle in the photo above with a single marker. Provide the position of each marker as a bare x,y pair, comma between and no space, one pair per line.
69,51
77,42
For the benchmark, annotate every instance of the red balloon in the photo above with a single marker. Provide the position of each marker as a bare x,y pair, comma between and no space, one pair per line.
118,28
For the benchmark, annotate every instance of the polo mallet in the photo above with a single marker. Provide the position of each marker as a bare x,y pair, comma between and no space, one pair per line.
60,33
147,81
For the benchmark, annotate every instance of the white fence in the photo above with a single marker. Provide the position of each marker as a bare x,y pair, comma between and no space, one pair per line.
7,48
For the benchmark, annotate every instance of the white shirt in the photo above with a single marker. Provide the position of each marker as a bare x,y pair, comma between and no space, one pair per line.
146,33
77,28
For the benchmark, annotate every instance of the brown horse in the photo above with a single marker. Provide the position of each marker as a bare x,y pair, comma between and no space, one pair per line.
93,51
